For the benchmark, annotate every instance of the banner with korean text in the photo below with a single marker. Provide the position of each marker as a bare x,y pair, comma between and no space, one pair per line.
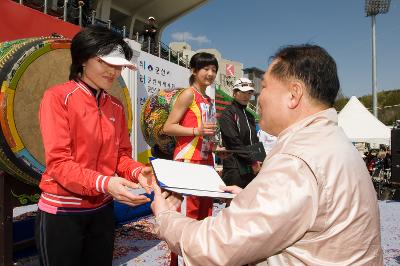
153,74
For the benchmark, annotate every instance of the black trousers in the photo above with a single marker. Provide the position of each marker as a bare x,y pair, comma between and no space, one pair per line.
75,239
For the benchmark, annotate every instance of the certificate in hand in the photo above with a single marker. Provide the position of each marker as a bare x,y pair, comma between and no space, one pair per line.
189,179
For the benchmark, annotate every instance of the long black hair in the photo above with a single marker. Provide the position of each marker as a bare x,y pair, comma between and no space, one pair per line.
94,41
201,60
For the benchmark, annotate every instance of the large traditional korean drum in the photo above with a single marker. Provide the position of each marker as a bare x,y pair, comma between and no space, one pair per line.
28,68
153,115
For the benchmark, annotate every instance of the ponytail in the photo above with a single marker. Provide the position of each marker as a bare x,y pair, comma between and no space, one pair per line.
191,79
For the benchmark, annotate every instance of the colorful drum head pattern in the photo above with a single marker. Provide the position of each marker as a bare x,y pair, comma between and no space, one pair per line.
153,115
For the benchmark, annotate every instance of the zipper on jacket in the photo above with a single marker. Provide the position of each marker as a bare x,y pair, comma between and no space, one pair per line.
98,101
247,120
98,95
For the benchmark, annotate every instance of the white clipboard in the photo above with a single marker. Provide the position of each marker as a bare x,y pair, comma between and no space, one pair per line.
189,179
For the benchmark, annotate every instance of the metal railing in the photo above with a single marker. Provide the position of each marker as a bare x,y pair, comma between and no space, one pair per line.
162,50
74,11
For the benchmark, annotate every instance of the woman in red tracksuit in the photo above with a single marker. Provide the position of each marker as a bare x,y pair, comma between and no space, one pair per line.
192,122
88,155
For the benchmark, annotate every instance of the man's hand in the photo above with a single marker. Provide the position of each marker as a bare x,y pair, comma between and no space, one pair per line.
146,179
256,167
117,188
222,153
165,201
232,189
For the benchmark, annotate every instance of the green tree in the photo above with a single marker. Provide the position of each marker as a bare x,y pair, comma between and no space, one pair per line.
388,105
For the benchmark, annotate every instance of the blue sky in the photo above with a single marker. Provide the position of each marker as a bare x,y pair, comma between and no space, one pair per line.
250,31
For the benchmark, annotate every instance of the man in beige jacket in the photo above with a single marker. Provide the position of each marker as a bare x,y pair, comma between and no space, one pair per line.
312,202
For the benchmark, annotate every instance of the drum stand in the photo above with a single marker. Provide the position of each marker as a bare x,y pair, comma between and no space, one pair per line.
8,186
6,216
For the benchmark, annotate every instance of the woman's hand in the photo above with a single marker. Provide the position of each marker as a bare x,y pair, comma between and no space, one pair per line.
117,188
165,201
146,179
206,129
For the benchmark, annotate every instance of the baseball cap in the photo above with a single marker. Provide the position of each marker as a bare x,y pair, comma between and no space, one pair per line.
151,18
117,58
243,84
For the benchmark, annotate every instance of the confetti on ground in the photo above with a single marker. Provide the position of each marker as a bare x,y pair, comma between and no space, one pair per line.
135,244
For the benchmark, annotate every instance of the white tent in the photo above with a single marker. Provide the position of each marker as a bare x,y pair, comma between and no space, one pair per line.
360,125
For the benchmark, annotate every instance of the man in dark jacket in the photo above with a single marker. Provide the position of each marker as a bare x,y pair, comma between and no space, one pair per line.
238,130
150,34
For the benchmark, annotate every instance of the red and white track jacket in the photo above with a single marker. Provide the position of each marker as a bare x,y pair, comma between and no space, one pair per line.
85,144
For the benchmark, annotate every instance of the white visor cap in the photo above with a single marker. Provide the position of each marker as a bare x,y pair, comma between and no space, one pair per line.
243,84
117,58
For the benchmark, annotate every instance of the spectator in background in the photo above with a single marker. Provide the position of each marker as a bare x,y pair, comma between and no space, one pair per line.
238,130
387,161
368,157
73,11
150,34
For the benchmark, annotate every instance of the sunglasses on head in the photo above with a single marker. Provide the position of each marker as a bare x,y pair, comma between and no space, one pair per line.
245,84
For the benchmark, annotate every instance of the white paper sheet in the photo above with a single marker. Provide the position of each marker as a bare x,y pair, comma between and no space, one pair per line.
189,179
